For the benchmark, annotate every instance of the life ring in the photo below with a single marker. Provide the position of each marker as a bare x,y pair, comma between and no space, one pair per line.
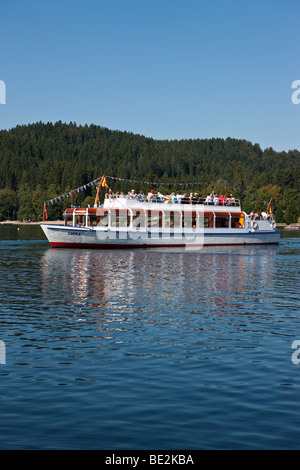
254,224
273,224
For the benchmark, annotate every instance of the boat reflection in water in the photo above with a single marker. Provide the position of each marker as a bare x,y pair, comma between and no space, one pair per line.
152,286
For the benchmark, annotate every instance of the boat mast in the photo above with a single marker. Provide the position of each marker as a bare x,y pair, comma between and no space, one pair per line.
101,183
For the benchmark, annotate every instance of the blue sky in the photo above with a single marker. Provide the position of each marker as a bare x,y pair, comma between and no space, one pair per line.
167,69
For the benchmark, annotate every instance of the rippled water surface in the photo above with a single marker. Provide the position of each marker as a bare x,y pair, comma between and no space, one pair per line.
148,349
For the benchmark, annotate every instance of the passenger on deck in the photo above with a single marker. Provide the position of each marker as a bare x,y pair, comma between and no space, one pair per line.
230,201
179,198
167,198
109,194
216,200
185,199
151,196
160,197
264,215
208,199
173,198
141,196
195,198
257,215
221,200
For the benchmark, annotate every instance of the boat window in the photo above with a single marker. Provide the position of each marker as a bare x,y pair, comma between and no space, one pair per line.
206,220
189,219
173,219
79,220
222,221
238,221
92,221
120,218
154,218
138,219
102,219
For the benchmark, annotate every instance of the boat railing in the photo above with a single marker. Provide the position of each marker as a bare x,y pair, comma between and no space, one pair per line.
200,201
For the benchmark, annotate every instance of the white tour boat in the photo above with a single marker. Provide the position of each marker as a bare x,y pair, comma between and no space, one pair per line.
127,223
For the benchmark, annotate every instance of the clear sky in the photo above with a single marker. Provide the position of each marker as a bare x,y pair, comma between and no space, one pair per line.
167,69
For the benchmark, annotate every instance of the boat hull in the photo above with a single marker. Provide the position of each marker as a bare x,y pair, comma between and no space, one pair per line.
72,237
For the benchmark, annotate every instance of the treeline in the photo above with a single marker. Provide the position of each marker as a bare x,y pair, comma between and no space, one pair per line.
41,161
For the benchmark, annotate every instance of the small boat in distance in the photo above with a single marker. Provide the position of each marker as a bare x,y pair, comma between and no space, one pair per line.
291,227
130,223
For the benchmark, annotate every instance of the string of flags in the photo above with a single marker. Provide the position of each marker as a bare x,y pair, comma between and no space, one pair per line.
103,182
78,190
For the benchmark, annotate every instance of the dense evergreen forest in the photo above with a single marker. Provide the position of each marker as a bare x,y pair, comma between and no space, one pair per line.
41,161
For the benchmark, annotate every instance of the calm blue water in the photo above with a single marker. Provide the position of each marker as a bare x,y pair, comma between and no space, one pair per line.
148,349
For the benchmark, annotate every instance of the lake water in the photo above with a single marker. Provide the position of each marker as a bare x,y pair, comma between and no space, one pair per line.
146,349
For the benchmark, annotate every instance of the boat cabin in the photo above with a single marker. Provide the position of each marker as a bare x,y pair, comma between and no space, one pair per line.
134,216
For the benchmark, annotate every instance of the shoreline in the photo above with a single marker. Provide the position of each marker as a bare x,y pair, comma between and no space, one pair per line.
17,222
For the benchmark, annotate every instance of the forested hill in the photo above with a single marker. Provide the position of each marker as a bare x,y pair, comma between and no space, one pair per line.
41,161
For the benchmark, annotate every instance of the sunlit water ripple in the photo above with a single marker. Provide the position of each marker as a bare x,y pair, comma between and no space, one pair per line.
148,349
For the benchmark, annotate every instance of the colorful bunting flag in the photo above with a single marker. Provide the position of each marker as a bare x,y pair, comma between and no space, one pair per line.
103,183
45,211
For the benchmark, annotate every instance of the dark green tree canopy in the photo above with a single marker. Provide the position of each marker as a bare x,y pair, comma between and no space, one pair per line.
41,161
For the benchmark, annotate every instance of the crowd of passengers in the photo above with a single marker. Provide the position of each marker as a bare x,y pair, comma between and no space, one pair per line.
260,215
192,198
